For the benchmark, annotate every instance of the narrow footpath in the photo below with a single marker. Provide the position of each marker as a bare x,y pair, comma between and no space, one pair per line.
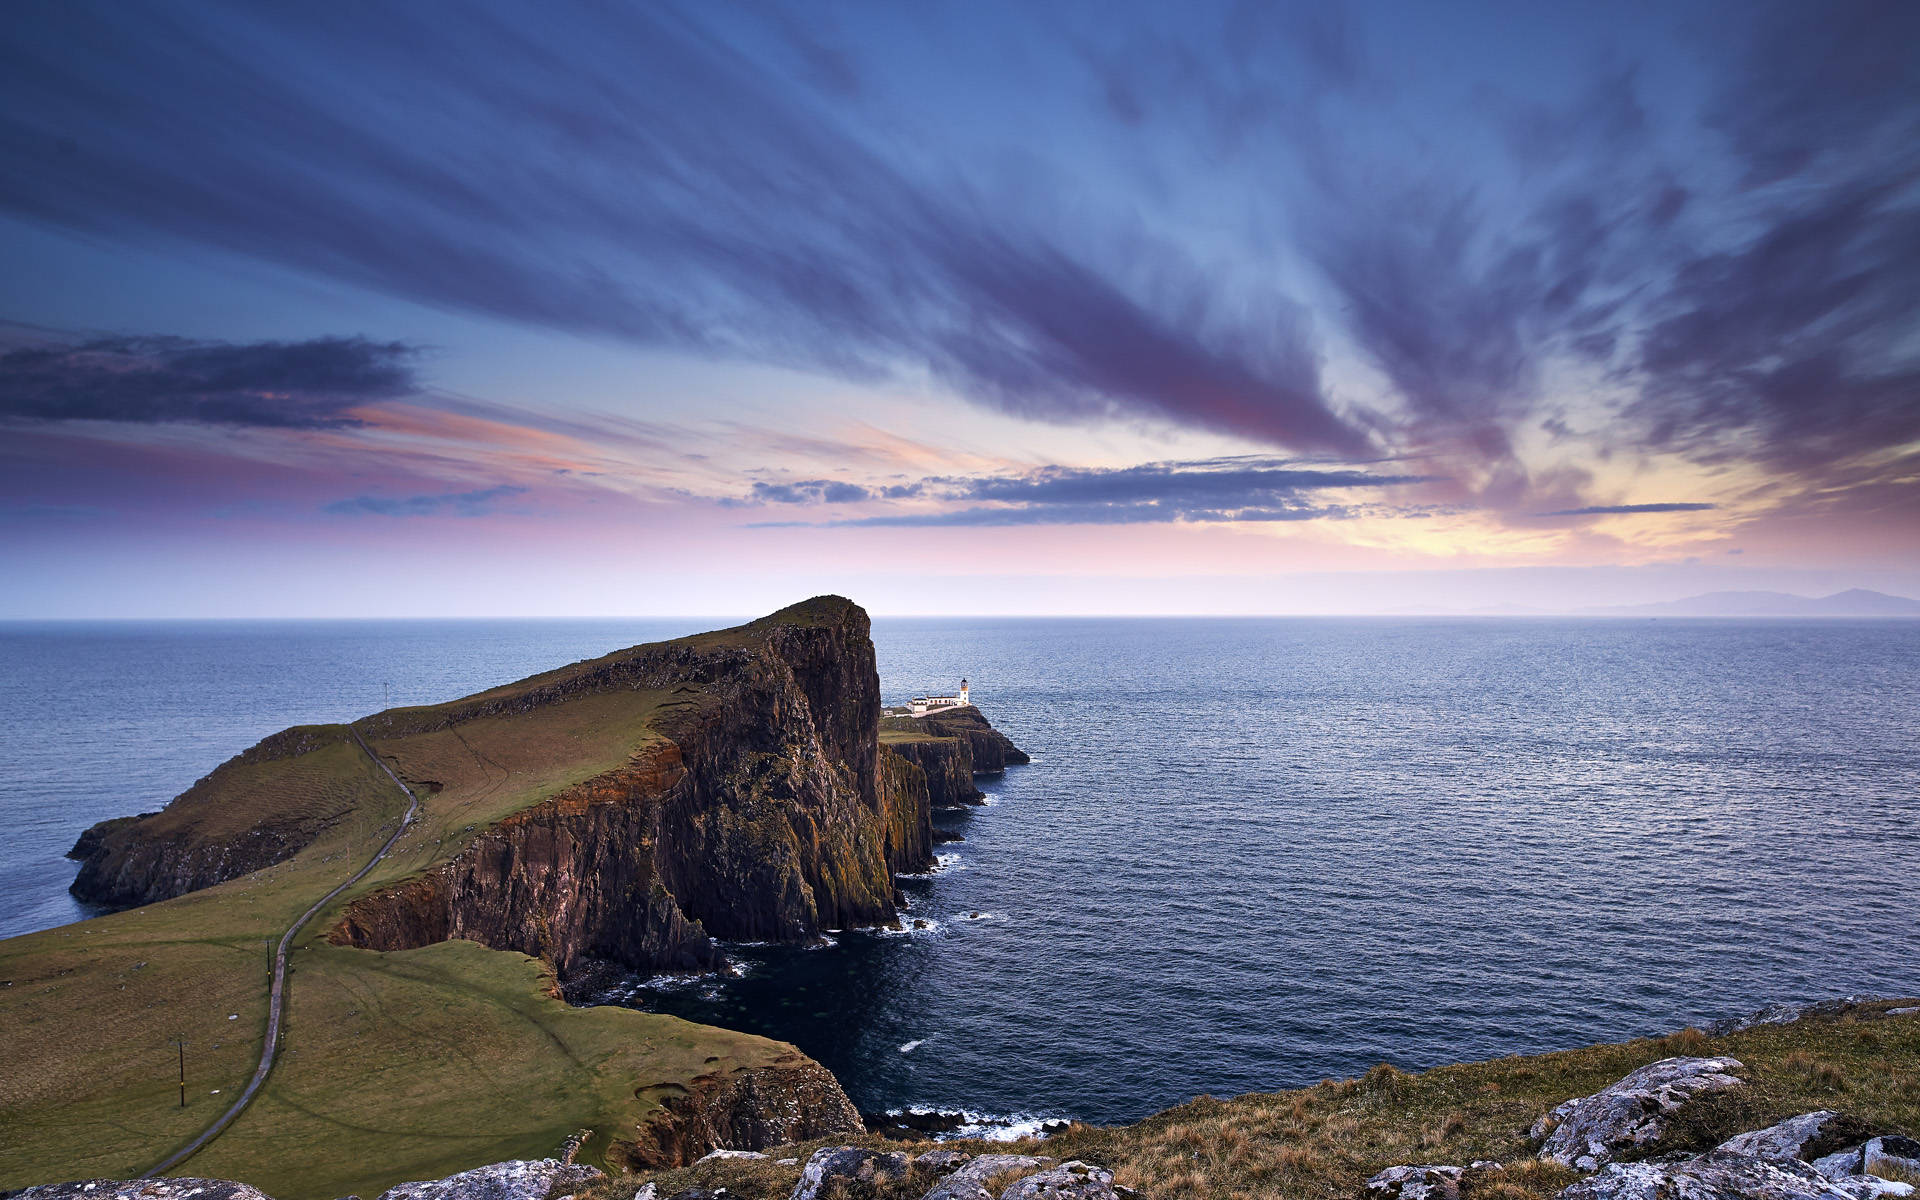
276,1000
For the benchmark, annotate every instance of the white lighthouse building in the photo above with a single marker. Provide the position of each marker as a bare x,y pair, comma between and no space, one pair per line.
920,706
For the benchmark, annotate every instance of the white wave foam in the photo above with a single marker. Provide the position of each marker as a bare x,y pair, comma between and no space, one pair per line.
910,1047
986,1127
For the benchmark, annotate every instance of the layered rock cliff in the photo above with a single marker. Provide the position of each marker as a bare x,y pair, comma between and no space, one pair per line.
989,751
946,764
951,747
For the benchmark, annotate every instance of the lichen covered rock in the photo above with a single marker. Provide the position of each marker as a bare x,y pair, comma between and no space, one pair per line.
970,1181
1074,1180
848,1169
1806,1137
1588,1132
537,1179
1722,1175
144,1189
1424,1181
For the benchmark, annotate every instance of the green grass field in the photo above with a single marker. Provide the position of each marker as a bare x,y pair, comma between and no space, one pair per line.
393,1066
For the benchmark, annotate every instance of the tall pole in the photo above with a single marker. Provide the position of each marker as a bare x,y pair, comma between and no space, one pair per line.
181,1044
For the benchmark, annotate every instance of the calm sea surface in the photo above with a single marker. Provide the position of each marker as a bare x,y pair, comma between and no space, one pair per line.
1248,854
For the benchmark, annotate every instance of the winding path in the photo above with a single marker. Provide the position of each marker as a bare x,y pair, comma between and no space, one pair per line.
276,999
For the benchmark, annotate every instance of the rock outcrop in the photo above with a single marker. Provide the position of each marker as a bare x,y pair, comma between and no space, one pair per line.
970,1181
1424,1181
1806,1137
1722,1175
1069,1181
1787,1012
539,1179
143,1189
1590,1131
794,1100
841,1168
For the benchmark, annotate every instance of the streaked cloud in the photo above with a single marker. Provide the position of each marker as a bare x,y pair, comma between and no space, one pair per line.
1611,510
456,504
172,380
1209,491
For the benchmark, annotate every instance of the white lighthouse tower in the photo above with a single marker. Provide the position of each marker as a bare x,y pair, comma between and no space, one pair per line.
964,701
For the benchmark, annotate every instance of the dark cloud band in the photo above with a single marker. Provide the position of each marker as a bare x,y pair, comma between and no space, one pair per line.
165,380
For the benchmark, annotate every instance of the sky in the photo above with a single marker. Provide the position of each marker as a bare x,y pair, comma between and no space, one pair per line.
598,309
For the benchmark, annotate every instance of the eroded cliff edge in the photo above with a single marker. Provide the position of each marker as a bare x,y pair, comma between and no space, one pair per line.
951,747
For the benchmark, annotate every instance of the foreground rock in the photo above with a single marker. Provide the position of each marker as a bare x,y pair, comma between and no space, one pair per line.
539,1179
1424,1181
144,1189
1068,1181
1887,1155
1591,1131
970,1181
1722,1175
836,1167
1806,1137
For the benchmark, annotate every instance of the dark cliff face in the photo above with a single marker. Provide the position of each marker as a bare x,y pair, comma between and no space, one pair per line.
951,748
766,815
947,764
991,751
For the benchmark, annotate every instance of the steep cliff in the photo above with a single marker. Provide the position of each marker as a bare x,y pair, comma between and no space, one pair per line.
947,764
753,808
951,748
991,751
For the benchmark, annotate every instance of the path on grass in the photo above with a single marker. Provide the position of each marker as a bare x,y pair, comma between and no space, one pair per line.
276,999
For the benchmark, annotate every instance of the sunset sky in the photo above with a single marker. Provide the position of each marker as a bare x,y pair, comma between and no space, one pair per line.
408,309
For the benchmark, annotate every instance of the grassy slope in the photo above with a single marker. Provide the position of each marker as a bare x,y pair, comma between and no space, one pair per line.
1325,1141
87,1086
896,736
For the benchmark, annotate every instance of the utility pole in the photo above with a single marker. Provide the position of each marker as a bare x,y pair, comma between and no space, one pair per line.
181,1043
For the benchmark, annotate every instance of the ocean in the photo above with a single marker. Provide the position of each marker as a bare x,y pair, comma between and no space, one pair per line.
1248,854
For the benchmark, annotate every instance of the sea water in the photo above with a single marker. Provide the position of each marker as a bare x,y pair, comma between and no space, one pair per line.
1248,854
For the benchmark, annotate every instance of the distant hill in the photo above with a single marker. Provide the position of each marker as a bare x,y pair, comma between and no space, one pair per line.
1855,602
